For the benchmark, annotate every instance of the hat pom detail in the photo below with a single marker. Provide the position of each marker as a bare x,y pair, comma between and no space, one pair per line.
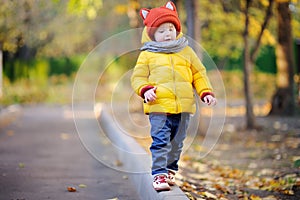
144,13
170,5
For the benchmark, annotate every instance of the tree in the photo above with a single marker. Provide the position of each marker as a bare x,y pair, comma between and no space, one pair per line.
221,27
192,21
82,7
283,99
249,59
10,30
193,28
247,71
1,71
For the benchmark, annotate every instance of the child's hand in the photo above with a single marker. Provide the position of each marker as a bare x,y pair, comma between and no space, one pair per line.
150,95
210,100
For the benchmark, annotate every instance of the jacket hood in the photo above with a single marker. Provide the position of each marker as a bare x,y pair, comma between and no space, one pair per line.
146,38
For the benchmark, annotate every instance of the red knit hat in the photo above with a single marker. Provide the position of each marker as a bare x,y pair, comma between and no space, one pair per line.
155,17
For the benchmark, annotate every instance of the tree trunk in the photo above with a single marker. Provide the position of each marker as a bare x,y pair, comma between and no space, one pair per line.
298,70
1,71
250,118
197,26
192,22
283,99
249,59
190,18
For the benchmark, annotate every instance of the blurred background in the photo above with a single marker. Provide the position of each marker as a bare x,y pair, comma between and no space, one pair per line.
43,43
255,45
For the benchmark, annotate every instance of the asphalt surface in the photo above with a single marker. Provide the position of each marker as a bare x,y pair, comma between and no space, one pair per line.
41,155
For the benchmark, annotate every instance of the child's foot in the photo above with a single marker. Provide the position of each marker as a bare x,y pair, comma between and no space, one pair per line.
160,183
171,178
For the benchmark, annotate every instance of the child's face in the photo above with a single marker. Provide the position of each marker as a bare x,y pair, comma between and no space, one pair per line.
165,32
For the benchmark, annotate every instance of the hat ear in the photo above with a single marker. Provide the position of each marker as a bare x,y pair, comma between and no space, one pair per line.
144,13
170,5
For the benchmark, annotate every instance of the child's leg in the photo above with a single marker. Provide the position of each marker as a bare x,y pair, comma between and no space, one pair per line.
160,133
178,135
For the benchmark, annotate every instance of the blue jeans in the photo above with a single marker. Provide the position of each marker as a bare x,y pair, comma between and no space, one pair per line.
168,133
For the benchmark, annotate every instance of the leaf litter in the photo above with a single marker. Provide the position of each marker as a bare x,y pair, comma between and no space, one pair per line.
246,165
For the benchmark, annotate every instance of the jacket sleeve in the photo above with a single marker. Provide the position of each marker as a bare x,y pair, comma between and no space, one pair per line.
200,79
139,78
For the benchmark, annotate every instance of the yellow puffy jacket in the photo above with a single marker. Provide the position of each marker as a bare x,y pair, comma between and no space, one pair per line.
175,75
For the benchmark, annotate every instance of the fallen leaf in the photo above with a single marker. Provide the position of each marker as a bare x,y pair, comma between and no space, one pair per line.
277,125
189,196
288,192
82,185
187,187
208,195
65,136
222,188
10,133
292,142
21,165
276,138
254,197
186,158
71,189
200,167
118,163
269,198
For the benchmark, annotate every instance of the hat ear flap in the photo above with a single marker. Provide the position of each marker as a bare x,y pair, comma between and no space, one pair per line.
170,5
144,13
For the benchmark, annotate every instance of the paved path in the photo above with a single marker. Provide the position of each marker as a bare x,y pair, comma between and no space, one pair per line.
41,155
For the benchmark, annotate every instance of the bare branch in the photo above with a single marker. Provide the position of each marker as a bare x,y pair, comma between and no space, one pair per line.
263,27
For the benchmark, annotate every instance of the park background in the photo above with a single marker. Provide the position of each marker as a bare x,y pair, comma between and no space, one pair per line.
255,45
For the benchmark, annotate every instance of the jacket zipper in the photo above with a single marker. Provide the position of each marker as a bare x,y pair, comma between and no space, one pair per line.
174,83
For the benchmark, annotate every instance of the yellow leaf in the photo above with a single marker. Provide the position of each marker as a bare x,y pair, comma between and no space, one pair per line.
186,158
121,9
91,13
264,2
21,165
289,192
254,197
209,195
189,196
82,185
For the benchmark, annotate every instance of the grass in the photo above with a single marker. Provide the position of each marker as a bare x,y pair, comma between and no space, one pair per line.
56,90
